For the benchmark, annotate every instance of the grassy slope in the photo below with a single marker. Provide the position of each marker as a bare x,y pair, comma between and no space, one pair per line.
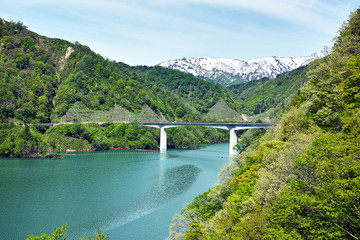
222,112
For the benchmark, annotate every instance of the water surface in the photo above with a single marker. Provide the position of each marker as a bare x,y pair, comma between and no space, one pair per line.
129,194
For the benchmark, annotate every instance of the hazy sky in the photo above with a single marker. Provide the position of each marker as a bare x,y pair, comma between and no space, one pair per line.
147,32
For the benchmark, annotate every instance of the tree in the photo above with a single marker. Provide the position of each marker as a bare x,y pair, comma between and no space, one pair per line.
60,234
180,111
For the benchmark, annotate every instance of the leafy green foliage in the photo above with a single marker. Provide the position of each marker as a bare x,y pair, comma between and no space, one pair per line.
27,74
202,208
195,231
334,79
261,95
60,234
201,94
93,136
307,186
41,79
20,141
323,201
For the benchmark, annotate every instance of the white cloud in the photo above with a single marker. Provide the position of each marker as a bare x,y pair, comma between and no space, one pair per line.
318,14
141,30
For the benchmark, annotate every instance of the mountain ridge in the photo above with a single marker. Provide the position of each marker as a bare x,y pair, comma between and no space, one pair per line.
232,71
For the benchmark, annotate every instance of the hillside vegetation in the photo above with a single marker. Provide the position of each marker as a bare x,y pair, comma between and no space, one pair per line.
200,94
301,179
50,80
42,78
46,80
259,96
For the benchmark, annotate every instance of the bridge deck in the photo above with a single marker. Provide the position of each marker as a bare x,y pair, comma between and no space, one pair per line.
232,127
168,124
227,126
207,124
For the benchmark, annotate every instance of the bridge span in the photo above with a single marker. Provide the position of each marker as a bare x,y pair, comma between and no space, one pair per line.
232,127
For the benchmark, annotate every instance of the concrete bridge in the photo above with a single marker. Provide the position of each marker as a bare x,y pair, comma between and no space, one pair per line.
232,127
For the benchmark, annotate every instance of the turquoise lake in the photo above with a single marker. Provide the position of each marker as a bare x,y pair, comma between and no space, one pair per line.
129,194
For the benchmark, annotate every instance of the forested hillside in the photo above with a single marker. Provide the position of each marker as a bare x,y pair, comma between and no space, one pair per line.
42,78
51,80
46,80
259,96
301,179
202,95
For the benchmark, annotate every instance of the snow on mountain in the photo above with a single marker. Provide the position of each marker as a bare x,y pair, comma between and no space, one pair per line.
228,71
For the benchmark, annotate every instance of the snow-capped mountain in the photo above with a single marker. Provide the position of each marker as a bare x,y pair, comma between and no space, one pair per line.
229,71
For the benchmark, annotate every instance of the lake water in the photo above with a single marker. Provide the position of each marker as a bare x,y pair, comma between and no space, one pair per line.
129,194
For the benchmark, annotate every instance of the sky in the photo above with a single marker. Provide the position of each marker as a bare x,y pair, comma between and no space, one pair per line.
147,32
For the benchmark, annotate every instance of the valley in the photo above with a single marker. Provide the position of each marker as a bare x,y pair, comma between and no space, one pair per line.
52,80
298,179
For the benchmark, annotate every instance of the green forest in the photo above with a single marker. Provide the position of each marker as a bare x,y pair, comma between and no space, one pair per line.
301,179
45,80
42,79
298,180
259,96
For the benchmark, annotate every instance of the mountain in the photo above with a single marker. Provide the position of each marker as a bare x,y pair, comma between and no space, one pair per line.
228,71
46,80
200,95
43,79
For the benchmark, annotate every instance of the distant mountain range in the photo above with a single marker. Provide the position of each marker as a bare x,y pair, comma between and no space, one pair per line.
228,71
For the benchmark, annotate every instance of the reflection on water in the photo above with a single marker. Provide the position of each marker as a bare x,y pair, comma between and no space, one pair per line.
130,195
174,182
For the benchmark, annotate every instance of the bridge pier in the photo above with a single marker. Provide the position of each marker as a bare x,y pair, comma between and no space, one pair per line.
232,127
232,142
163,139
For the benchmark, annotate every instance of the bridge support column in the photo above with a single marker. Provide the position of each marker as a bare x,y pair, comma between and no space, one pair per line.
232,142
163,139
